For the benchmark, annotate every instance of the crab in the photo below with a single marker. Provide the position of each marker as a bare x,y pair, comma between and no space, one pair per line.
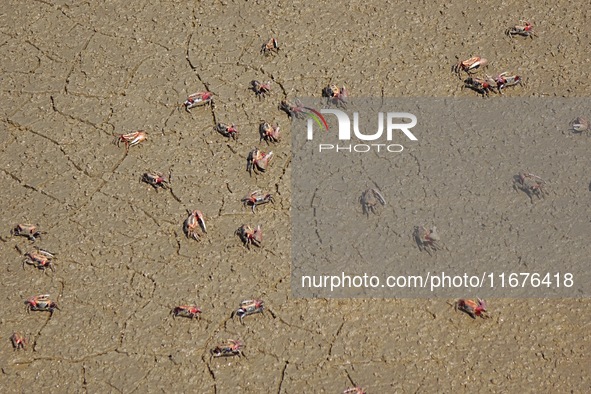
580,124
354,390
190,311
194,221
18,341
480,85
199,99
525,30
427,239
229,349
156,180
472,308
249,307
26,230
335,95
529,183
229,131
295,110
41,303
270,46
256,198
131,139
260,89
369,200
469,65
258,161
503,80
249,236
268,132
39,258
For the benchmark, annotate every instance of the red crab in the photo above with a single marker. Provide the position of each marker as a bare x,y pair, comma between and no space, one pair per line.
41,303
472,308
190,311
131,139
248,235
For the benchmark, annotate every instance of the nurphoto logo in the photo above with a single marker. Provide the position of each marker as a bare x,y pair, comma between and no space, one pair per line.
396,124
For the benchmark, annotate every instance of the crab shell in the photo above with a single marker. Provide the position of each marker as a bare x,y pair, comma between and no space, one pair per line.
41,303
249,307
40,259
198,99
232,348
27,230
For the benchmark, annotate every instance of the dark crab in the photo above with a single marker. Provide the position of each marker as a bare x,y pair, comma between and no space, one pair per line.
258,161
260,89
295,110
156,180
335,95
39,258
370,199
268,132
41,303
529,183
26,230
189,311
255,198
229,349
249,307
250,235
427,239
229,131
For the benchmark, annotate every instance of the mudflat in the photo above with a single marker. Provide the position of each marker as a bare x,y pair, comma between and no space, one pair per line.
74,74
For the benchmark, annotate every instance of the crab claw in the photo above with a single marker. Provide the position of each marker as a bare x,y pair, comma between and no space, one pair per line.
379,197
434,236
201,220
580,124
264,161
258,234
481,306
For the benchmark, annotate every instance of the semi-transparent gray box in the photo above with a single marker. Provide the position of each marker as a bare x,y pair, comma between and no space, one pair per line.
456,169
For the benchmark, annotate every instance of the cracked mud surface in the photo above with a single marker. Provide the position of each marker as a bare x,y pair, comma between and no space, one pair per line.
74,73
